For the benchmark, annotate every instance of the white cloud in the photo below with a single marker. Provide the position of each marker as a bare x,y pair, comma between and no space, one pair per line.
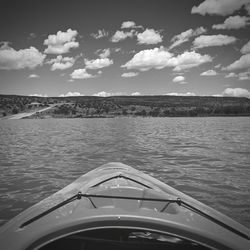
236,92
4,45
149,36
100,34
210,72
61,63
71,94
136,94
218,7
129,74
230,75
121,35
185,36
62,42
244,76
218,66
98,63
217,95
128,24
33,76
147,59
179,79
189,60
246,48
242,63
19,59
159,58
81,74
105,53
233,22
181,94
106,94
213,40
39,95
117,49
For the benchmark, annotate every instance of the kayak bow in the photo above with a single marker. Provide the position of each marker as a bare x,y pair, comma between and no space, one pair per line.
118,207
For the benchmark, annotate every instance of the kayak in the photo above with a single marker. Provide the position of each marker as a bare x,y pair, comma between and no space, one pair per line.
118,207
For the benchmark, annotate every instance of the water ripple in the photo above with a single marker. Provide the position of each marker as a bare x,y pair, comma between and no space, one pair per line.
207,158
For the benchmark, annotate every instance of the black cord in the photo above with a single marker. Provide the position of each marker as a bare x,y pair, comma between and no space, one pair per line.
177,201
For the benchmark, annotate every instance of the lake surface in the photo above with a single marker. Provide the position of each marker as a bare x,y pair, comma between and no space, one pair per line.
207,158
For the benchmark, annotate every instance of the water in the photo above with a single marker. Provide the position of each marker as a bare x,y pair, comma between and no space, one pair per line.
207,158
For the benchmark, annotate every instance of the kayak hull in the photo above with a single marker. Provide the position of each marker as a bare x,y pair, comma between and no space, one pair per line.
146,210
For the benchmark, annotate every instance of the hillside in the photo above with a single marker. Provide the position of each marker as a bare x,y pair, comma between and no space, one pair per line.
92,106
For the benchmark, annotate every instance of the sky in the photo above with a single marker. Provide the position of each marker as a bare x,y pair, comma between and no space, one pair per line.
115,47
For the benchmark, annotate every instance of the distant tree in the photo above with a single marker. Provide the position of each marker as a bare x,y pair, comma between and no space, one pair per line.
124,112
155,112
166,112
106,109
15,110
132,108
141,113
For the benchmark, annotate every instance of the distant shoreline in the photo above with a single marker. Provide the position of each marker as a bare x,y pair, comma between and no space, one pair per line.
30,107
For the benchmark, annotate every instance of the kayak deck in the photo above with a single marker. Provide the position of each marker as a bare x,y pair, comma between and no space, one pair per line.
118,207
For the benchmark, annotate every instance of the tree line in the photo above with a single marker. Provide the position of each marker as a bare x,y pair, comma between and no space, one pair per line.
153,106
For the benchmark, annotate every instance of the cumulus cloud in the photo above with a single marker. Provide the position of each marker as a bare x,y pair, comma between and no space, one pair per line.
71,94
61,42
98,63
105,53
218,7
233,22
159,58
246,48
147,59
106,94
39,95
236,92
121,35
128,24
186,35
149,36
230,75
242,63
181,94
244,76
61,63
129,74
213,40
33,76
210,72
81,74
179,79
19,59
100,34
189,60
136,94
218,66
